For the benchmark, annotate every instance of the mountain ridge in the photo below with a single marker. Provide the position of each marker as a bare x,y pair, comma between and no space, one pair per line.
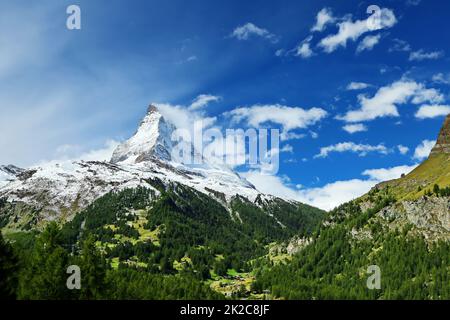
442,145
58,190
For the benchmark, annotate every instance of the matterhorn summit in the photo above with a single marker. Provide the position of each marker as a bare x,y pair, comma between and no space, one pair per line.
152,140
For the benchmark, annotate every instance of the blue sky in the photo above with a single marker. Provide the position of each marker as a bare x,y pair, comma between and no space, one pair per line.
65,93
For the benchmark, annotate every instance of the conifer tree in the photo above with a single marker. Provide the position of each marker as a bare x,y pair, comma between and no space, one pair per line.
44,276
8,270
93,270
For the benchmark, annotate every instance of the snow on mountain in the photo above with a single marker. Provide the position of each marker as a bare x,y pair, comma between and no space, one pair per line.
67,186
151,140
9,173
4,178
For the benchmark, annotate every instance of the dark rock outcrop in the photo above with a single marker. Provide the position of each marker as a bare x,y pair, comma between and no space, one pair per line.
443,142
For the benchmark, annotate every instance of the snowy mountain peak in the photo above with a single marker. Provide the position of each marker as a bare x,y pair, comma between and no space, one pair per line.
68,186
151,140
152,108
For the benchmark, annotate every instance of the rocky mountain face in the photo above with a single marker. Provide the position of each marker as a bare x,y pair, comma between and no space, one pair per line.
58,190
443,142
427,216
11,170
418,199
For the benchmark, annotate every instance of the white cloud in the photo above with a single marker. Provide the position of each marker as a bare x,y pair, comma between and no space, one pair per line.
423,149
352,30
386,174
314,135
288,135
270,184
432,111
290,160
304,49
384,102
357,86
185,118
360,149
191,58
194,122
203,100
323,18
330,195
353,128
76,153
368,43
287,148
427,95
422,55
219,148
247,30
402,149
180,116
413,2
333,194
441,78
399,46
288,117
279,52
232,150
67,153
222,146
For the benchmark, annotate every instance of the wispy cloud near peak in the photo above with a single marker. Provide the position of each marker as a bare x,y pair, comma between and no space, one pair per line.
248,30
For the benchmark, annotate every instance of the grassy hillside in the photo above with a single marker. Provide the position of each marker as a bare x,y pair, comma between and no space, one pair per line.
434,170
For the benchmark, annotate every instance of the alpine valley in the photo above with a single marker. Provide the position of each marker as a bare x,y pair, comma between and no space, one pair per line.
144,226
